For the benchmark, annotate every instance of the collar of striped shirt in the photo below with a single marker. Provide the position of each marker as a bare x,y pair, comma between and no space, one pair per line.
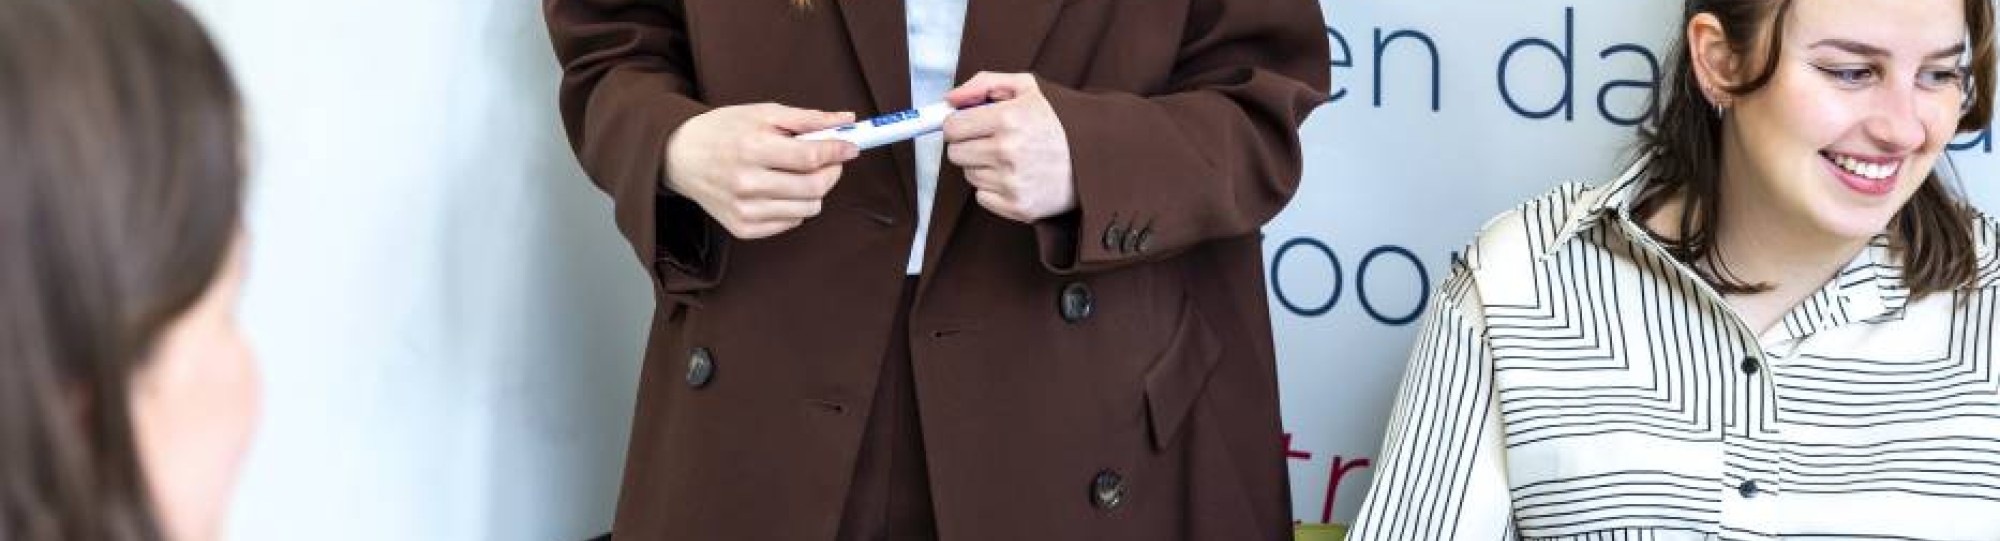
1869,288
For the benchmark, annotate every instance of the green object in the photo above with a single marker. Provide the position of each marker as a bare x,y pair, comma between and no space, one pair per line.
1320,532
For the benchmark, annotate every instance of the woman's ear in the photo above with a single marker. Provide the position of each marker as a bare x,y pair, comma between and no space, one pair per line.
1715,62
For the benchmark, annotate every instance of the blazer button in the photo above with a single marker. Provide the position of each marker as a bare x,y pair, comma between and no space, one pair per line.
1108,490
1114,237
1076,302
1139,242
701,368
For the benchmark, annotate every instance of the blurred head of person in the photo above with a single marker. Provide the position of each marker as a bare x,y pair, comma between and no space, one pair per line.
127,395
1823,120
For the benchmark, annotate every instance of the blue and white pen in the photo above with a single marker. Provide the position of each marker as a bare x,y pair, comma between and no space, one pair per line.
889,128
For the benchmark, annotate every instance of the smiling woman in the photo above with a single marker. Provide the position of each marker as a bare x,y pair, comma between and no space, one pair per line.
1736,48
1780,322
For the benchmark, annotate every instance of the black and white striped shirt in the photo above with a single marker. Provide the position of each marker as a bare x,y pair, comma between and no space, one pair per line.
1574,382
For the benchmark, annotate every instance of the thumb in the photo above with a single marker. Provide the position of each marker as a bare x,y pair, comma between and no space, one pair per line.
796,121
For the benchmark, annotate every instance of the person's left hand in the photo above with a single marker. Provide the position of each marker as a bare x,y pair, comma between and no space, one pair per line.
1014,150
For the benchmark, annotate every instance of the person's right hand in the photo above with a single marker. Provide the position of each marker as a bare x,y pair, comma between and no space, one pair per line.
741,165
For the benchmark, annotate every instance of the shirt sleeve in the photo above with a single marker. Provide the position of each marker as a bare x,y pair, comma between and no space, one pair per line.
1442,471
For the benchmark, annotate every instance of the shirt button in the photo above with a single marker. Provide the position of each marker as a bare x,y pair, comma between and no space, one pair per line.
1076,302
701,368
1107,490
1748,489
1750,365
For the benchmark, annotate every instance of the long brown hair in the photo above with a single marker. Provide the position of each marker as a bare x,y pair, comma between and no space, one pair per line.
1933,231
120,179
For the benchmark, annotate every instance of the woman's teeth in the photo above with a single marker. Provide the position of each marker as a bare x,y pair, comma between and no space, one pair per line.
1871,171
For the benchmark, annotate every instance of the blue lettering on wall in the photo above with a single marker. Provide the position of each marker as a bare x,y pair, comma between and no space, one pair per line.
1361,285
1288,252
1278,288
1647,86
1382,46
1983,142
1564,56
1343,57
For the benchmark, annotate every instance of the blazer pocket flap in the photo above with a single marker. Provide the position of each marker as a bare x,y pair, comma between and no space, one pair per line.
1176,379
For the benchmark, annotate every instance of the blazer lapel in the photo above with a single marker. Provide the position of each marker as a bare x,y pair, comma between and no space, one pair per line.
879,37
876,29
1000,36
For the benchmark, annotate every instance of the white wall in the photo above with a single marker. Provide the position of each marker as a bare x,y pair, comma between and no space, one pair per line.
449,324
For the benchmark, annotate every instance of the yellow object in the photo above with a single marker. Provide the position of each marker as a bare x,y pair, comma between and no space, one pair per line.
1320,532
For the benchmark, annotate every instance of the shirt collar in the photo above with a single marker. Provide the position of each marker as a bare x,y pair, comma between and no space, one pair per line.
1869,288
1614,197
1608,199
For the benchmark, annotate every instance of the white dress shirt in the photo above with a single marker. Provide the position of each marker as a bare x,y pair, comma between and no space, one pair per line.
1573,382
934,28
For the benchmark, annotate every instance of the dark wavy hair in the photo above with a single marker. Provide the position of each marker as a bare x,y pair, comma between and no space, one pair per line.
120,180
1932,233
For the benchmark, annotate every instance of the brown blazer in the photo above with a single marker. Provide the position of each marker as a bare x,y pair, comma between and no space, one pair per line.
1104,375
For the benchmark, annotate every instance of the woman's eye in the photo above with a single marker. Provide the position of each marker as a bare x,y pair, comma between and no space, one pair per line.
1849,76
1940,78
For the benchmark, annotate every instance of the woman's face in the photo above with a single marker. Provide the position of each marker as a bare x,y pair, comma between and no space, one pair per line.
1865,96
194,404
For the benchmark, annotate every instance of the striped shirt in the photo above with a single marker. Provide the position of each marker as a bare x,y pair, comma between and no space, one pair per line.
1573,382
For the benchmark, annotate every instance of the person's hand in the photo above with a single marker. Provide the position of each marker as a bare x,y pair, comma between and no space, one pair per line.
1014,150
741,165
